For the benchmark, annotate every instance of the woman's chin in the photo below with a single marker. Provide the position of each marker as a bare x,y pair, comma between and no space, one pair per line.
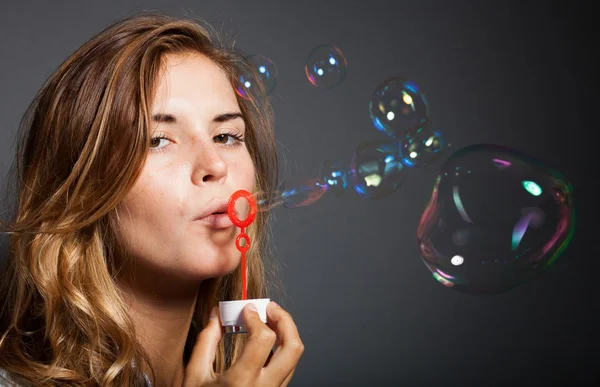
219,267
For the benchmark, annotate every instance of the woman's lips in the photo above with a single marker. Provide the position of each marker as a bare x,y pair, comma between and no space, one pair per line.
217,220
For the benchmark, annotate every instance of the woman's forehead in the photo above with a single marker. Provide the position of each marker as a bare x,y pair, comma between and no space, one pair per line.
193,81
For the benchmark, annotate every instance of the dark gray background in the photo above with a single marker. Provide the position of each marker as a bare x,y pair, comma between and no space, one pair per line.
370,314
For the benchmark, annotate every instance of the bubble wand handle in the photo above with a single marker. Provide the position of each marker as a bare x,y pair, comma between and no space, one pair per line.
242,224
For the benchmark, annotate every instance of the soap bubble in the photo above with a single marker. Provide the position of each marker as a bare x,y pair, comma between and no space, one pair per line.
266,73
334,174
398,107
292,193
326,66
301,192
376,169
422,147
265,201
497,218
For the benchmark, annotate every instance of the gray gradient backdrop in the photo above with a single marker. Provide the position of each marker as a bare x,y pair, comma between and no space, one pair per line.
369,312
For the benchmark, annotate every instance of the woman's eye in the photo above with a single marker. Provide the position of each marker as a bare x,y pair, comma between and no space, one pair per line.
224,139
155,141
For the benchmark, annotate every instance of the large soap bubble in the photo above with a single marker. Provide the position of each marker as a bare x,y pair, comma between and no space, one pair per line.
497,218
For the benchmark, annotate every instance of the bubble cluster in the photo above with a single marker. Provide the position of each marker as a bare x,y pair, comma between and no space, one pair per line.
398,107
263,81
326,66
497,218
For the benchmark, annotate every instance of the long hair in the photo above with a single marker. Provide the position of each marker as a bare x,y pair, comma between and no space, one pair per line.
82,144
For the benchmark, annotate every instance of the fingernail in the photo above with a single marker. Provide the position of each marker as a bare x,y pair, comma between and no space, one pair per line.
213,313
252,307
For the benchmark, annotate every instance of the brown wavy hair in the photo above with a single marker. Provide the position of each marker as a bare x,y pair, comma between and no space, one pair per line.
81,146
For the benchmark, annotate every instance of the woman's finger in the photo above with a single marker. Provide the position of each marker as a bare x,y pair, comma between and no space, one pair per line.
290,347
288,379
259,345
270,356
200,366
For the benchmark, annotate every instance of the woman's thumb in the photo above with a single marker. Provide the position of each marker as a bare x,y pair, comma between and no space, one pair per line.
200,367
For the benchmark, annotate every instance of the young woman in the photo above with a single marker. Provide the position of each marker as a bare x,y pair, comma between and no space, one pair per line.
116,264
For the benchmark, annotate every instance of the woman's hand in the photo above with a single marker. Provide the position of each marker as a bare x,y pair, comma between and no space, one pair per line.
249,369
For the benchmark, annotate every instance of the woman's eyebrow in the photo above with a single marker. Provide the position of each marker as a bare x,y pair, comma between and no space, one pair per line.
227,117
164,118
171,119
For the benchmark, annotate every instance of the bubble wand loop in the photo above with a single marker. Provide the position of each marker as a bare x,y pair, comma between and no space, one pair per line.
242,224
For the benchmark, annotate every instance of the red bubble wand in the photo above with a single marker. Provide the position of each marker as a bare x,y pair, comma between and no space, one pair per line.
231,311
242,224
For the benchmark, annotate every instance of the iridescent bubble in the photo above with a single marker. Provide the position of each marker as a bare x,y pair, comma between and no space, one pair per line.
398,107
266,201
497,218
376,169
300,192
422,147
334,174
326,66
266,75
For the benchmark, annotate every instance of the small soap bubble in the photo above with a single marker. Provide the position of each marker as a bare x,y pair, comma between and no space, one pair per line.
302,192
422,147
335,176
398,107
326,66
497,218
267,201
266,75
376,169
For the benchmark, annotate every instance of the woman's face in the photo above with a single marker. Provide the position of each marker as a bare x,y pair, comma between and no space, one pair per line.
198,163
